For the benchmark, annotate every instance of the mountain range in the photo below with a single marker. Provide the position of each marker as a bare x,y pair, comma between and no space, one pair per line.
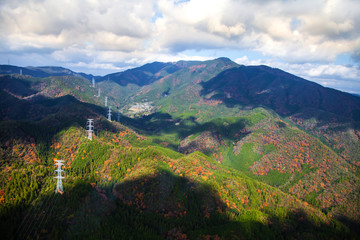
199,150
42,72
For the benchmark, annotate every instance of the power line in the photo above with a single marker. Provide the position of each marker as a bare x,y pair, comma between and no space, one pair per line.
46,217
37,215
47,204
27,218
36,205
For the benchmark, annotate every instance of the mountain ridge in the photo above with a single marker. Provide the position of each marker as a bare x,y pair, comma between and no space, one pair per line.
153,67
43,71
215,152
255,87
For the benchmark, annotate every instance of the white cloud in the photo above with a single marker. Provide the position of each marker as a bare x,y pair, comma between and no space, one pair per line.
346,78
307,34
64,23
244,60
323,29
103,68
321,32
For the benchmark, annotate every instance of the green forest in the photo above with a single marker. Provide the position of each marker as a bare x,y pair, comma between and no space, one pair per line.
195,167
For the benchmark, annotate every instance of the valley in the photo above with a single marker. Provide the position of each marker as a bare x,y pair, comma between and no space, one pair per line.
203,150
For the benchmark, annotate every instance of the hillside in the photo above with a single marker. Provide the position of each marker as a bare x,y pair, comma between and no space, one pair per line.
165,193
143,75
152,82
27,92
42,72
284,93
227,151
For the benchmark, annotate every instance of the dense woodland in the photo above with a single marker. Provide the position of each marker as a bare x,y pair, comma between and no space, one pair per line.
199,167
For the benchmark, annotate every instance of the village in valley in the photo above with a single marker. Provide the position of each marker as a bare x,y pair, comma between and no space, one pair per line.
139,109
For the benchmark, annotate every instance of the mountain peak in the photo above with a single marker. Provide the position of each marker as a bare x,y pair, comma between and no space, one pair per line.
224,59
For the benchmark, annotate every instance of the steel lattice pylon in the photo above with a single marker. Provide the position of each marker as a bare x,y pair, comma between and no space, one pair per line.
109,113
59,177
118,116
90,128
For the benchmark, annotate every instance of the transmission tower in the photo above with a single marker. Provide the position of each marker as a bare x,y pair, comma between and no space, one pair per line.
59,186
90,128
109,113
93,82
106,104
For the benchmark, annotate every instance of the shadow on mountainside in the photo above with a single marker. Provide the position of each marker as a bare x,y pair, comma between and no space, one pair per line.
16,86
158,206
38,121
160,123
282,92
193,136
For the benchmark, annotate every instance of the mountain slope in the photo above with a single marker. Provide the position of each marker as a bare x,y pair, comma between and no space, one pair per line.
284,93
143,75
151,191
178,92
157,81
22,90
204,94
42,72
229,151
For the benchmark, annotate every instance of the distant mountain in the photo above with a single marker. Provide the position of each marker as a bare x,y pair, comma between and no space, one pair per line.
283,92
216,80
148,73
42,72
184,85
143,75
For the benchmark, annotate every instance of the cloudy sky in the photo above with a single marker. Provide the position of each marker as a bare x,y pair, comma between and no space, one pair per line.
315,39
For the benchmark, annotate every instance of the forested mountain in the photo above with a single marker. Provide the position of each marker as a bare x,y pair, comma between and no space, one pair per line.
284,93
201,150
42,72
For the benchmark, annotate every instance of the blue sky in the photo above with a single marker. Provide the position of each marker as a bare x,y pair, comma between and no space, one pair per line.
318,40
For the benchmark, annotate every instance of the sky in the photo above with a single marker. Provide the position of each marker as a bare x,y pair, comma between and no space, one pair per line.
318,40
